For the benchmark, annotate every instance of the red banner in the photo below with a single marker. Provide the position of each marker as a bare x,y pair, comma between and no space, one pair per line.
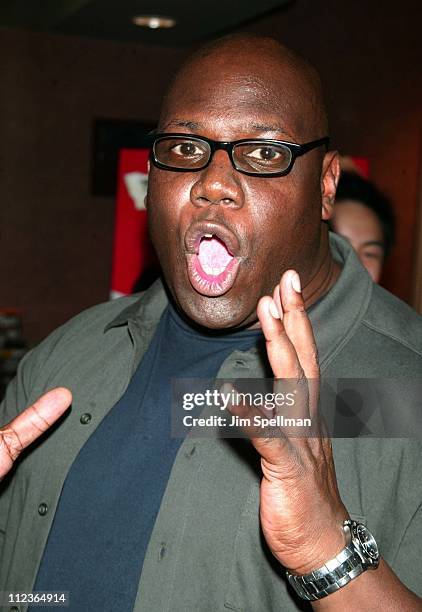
133,253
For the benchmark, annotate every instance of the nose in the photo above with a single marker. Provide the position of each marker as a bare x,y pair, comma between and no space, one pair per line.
218,184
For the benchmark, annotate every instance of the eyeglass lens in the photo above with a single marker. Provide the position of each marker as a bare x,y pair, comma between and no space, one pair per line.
182,153
255,157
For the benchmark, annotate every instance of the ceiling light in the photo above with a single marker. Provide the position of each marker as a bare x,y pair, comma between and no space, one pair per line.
154,21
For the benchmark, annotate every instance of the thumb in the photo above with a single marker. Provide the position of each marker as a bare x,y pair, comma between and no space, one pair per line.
31,424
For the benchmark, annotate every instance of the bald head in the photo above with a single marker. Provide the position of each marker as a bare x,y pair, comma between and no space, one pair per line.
244,67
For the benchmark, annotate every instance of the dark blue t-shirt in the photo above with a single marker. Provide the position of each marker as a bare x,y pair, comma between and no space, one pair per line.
113,491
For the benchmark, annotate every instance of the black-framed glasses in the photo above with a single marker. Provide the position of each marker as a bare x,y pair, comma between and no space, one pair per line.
251,156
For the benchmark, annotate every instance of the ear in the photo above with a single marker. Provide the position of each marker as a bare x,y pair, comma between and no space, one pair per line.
329,181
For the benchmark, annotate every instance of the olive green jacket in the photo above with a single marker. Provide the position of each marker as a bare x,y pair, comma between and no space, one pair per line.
206,551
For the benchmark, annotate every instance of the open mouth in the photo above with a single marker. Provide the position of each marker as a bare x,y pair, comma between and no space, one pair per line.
212,265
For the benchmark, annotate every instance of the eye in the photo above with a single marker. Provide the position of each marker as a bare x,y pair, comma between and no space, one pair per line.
187,149
265,153
262,157
372,255
180,152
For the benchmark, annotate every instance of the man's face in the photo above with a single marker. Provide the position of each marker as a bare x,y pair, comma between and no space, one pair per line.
249,227
362,228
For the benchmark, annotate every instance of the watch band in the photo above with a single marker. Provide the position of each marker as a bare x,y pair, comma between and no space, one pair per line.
361,553
329,578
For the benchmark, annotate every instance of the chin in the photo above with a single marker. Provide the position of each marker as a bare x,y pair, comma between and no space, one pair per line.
215,313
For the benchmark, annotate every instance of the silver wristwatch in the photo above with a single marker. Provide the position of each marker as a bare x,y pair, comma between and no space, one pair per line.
361,553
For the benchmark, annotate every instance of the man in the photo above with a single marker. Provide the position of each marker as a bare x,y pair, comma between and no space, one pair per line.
363,215
112,509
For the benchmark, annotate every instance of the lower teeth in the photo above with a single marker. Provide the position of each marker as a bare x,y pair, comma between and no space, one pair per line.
212,271
203,283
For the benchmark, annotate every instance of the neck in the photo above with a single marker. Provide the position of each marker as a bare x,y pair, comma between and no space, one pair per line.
325,275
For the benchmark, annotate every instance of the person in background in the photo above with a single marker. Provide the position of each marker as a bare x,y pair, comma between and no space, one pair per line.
364,216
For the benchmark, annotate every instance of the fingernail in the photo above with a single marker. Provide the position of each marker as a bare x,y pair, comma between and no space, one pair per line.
295,281
274,310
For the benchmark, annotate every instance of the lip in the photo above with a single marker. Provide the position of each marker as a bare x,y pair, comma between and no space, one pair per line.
203,283
198,229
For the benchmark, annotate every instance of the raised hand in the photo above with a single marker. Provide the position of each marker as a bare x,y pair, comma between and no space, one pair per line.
300,507
30,424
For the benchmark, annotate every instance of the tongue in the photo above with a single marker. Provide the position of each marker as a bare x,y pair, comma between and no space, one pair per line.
213,253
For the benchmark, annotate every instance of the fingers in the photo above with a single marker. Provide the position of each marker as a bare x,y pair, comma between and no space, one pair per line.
297,324
288,331
291,346
280,350
34,421
268,440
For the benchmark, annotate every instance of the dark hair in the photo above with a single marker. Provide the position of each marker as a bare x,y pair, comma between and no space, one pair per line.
352,186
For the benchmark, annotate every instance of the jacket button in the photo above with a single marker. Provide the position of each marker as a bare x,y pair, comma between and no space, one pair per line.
189,453
42,509
240,362
85,418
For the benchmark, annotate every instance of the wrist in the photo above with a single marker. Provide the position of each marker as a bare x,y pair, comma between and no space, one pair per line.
325,547
360,554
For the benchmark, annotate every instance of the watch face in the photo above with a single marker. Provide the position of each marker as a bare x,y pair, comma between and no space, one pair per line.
367,541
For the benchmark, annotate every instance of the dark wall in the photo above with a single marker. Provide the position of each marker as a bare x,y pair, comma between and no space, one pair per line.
369,54
56,239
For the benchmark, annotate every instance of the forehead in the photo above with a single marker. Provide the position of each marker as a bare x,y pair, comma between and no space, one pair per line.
353,217
231,97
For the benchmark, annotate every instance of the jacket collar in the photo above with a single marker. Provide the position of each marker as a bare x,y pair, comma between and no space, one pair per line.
336,316
148,308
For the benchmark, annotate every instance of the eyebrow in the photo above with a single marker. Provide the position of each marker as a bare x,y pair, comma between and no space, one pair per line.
373,243
191,125
257,127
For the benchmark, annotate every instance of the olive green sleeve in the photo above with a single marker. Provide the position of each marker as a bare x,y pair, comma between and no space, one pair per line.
407,562
14,402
